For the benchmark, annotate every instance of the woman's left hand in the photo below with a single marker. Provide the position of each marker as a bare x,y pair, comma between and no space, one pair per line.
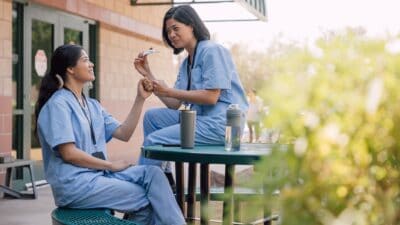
160,88
119,165
140,90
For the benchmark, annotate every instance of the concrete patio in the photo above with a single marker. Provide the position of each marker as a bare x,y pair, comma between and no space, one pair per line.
27,211
38,211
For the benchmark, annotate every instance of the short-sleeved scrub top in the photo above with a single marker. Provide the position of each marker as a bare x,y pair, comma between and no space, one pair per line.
61,120
213,69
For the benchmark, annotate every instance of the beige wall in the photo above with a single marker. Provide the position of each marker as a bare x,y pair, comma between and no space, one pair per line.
5,77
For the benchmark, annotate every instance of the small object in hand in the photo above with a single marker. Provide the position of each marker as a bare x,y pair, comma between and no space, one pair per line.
149,52
147,84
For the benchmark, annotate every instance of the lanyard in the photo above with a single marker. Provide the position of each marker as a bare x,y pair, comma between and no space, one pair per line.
87,116
190,66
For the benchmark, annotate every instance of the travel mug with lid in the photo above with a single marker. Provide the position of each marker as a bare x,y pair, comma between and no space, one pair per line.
188,128
233,128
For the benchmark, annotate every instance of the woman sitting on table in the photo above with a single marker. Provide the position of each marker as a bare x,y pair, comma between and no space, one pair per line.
207,82
73,130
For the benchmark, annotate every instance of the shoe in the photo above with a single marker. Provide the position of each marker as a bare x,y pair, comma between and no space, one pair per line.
171,181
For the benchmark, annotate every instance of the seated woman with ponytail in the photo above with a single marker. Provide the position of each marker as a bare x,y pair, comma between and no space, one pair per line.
73,130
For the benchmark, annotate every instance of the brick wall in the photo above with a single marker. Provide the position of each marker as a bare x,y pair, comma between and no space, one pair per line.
118,82
118,77
125,30
5,77
5,80
148,14
143,22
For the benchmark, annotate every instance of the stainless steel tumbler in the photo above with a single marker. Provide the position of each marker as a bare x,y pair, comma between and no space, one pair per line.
188,127
233,128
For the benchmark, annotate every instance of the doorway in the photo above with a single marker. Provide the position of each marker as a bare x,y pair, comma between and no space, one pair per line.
37,32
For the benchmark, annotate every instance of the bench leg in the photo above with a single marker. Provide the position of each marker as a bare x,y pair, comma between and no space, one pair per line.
9,192
8,177
191,199
204,193
180,181
34,194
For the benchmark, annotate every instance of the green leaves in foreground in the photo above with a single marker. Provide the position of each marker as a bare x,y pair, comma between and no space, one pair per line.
338,104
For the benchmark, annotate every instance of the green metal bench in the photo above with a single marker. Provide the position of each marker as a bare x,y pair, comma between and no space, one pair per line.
67,216
7,188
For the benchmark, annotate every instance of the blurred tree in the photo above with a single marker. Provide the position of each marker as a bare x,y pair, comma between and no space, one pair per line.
250,65
337,103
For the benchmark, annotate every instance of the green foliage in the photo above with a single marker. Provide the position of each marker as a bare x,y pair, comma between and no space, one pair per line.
337,104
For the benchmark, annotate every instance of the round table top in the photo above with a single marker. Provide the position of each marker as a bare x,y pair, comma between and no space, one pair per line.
213,154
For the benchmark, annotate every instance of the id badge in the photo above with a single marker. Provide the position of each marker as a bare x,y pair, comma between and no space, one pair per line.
99,155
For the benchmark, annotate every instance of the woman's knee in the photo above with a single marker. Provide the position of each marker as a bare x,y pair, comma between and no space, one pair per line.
150,114
149,140
155,172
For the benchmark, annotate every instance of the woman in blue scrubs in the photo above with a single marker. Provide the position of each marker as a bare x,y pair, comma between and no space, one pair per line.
207,82
73,130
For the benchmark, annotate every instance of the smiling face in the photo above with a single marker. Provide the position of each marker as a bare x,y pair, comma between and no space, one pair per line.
180,34
83,70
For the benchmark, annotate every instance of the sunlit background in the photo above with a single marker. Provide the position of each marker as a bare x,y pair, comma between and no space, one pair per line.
291,20
327,74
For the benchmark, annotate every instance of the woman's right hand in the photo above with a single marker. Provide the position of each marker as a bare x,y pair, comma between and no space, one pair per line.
142,65
119,165
141,90
160,88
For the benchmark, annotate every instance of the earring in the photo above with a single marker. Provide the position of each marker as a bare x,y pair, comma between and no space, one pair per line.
60,80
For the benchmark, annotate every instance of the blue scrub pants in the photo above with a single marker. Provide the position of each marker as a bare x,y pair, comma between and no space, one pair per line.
142,191
162,126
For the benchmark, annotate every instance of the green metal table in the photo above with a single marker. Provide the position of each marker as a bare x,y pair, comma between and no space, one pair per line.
205,155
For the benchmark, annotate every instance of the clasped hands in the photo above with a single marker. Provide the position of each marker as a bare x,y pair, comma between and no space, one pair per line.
150,84
158,87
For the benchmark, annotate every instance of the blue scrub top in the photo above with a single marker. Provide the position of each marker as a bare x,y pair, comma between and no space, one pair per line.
213,69
61,120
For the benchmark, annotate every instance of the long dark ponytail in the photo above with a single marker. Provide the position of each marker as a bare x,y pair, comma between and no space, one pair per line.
63,57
